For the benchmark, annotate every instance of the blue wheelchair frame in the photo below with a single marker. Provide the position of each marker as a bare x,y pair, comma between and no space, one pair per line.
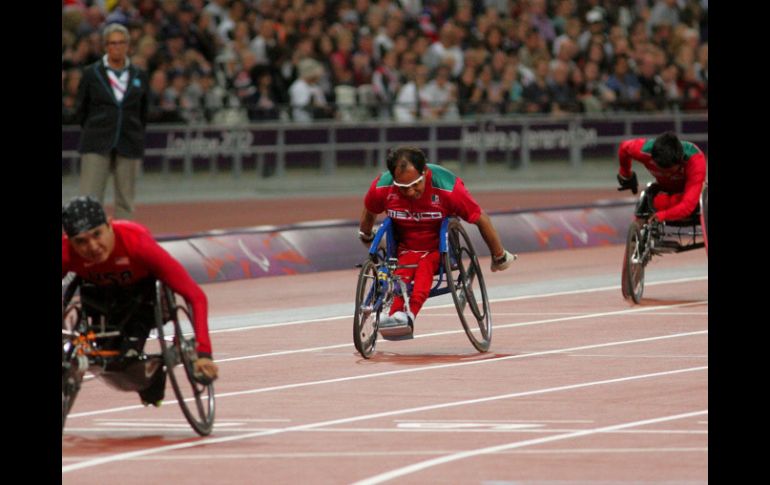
389,285
389,262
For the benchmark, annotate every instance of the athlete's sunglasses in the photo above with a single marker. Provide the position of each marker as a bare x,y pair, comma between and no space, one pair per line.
410,184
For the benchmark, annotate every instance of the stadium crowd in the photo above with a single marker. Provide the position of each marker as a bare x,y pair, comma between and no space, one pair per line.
230,61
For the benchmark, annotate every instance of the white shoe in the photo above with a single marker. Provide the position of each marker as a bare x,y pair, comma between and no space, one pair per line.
398,326
504,261
398,319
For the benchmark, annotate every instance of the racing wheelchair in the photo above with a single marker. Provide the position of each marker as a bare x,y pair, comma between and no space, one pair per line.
459,273
645,240
92,343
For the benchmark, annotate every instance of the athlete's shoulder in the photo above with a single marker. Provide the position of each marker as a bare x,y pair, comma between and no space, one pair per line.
645,144
690,149
384,180
441,177
131,230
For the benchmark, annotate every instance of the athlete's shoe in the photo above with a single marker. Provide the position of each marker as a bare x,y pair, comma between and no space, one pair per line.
399,326
153,394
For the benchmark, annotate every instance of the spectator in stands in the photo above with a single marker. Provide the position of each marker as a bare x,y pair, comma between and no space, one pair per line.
537,96
218,30
511,89
69,95
625,84
663,12
563,96
159,110
307,99
446,46
487,94
652,90
386,81
262,105
441,96
411,103
693,91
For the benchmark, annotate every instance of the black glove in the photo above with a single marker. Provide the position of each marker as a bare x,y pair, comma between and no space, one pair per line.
629,183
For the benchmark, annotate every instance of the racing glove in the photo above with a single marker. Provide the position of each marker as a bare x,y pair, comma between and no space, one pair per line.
501,263
629,183
205,370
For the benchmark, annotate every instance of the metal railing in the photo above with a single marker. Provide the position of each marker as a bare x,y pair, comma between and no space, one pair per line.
513,140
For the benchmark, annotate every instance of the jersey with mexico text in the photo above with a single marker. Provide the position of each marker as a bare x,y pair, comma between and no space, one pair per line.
417,222
685,179
137,256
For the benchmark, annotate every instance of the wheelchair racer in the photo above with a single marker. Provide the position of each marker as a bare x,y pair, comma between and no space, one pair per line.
119,261
417,196
679,168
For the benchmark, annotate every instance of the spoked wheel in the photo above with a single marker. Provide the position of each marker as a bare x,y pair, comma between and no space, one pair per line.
466,282
632,278
196,398
367,311
71,375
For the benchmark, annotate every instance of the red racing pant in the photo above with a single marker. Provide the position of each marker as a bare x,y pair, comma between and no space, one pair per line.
422,277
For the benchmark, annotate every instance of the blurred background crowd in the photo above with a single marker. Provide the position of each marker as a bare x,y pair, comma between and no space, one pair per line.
236,61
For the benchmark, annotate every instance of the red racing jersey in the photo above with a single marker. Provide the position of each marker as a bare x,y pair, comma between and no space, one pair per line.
686,178
135,257
417,222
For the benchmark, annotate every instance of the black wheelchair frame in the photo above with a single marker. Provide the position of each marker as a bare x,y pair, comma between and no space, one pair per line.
458,270
85,347
645,240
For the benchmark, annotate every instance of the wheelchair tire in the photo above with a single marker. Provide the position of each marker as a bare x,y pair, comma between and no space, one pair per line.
71,378
195,398
704,214
463,270
632,278
366,321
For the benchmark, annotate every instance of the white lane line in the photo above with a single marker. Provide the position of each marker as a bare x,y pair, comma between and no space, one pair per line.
407,470
410,370
364,454
636,356
185,430
451,305
322,424
493,421
583,316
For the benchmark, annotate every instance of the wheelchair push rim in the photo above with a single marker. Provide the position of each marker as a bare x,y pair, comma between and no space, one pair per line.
632,283
195,398
367,310
466,283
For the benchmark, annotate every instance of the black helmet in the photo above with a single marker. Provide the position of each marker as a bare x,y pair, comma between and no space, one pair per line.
667,150
82,214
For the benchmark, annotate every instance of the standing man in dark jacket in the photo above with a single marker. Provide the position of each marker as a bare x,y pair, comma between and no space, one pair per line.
112,109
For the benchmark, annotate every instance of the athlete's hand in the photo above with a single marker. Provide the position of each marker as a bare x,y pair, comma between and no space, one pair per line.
502,262
205,370
629,183
366,239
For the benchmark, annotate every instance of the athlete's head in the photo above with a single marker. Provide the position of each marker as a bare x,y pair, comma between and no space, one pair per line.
407,166
88,229
667,150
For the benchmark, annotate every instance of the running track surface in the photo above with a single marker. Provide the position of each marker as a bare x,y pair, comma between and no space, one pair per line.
578,387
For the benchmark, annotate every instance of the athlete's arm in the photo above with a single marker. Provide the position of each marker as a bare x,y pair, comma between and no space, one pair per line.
168,270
